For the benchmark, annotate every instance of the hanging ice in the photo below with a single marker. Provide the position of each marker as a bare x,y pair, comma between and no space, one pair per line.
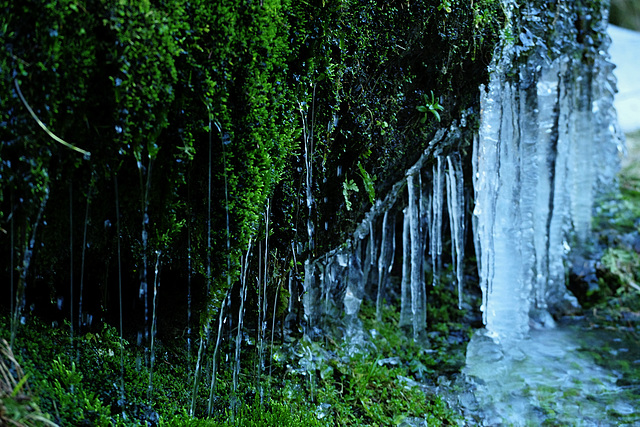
456,208
436,219
405,290
418,296
545,114
385,260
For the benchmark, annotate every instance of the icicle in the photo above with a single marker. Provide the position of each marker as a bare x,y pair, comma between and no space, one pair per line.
355,282
544,205
555,292
505,308
388,225
405,290
456,208
392,238
436,225
526,128
310,297
426,218
581,170
369,260
418,295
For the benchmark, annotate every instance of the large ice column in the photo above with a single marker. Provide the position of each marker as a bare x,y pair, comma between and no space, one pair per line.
498,217
546,146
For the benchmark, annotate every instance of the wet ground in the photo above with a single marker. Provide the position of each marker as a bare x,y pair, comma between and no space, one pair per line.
573,375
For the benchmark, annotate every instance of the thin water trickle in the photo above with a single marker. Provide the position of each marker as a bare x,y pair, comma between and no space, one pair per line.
11,231
84,247
189,290
238,340
152,355
122,391
214,361
71,319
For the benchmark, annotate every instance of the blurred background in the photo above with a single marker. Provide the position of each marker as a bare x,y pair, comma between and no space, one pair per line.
625,13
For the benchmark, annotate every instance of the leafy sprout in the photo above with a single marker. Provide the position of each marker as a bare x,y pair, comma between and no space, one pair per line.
431,105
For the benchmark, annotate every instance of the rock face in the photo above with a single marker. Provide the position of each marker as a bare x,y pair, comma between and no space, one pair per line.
546,148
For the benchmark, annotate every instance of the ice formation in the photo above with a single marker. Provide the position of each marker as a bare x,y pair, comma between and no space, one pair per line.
336,283
547,146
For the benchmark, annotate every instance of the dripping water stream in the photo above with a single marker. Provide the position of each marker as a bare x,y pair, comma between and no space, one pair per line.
122,391
84,249
71,263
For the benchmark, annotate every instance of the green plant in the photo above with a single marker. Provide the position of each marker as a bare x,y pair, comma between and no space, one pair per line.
348,187
431,105
269,413
446,5
17,408
73,403
368,181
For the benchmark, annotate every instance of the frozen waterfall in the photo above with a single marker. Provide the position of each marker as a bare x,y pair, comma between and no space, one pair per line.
546,147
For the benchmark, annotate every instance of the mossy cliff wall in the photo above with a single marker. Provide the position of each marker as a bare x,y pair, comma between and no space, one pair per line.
212,126
195,114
